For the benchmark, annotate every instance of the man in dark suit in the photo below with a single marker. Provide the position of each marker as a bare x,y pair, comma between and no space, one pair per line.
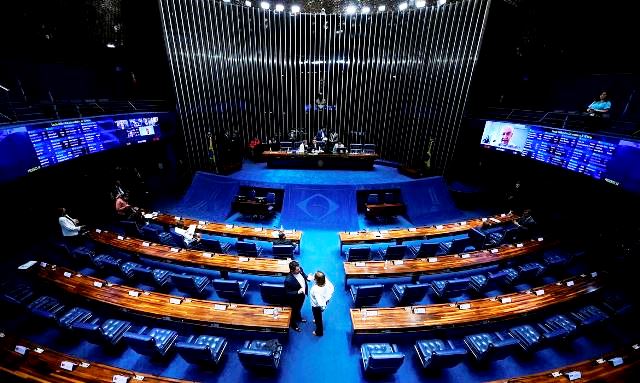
295,284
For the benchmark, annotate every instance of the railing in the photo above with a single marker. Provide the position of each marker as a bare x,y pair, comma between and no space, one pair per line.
572,120
12,111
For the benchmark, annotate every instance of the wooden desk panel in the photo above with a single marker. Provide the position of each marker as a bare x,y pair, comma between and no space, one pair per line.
424,232
222,262
45,366
384,209
357,161
592,370
226,230
402,319
443,263
156,305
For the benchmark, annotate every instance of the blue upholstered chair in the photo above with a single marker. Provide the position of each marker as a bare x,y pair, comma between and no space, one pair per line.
381,358
358,254
355,148
451,287
407,294
561,323
529,271
394,252
270,198
213,246
285,146
248,249
84,255
369,148
205,349
283,251
131,229
366,295
589,316
151,277
126,269
435,353
16,293
458,245
390,197
76,314
373,199
492,280
155,342
155,233
46,307
508,235
108,263
108,333
487,346
193,284
426,250
273,293
260,354
230,289
478,238
532,338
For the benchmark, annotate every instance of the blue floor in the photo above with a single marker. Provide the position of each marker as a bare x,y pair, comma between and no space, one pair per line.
335,357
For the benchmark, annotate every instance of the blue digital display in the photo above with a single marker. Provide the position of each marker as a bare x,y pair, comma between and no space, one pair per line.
611,159
28,147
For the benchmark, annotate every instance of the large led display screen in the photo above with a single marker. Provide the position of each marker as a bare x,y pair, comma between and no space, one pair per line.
607,158
28,147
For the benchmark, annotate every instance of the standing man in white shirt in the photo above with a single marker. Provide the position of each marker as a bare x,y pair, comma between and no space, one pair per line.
295,285
321,293
71,228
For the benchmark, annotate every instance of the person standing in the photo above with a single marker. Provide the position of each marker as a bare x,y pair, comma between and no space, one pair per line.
71,228
319,295
295,285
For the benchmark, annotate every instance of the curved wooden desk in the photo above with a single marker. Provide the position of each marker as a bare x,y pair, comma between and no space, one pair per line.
356,161
223,262
45,366
157,305
424,232
596,370
226,230
402,319
443,263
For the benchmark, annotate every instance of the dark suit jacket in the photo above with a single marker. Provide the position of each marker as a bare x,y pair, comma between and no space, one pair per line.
291,286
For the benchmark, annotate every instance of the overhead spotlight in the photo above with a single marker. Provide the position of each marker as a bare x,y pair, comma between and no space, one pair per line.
279,7
442,2
421,3
382,8
111,45
351,9
247,3
295,9
365,10
403,6
265,5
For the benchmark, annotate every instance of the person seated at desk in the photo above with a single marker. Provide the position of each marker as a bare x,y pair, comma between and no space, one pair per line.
600,107
253,147
314,147
321,136
126,211
282,240
339,147
303,147
189,235
526,225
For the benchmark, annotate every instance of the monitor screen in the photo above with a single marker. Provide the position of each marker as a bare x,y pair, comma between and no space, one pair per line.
601,157
28,147
505,136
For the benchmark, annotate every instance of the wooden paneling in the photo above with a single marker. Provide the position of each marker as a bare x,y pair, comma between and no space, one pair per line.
404,319
157,305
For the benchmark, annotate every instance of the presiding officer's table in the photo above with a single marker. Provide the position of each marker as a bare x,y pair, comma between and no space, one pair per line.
356,161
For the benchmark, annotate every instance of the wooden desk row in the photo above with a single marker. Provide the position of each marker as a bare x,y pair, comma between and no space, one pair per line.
41,364
436,316
356,161
225,230
444,263
222,262
424,232
598,370
159,306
